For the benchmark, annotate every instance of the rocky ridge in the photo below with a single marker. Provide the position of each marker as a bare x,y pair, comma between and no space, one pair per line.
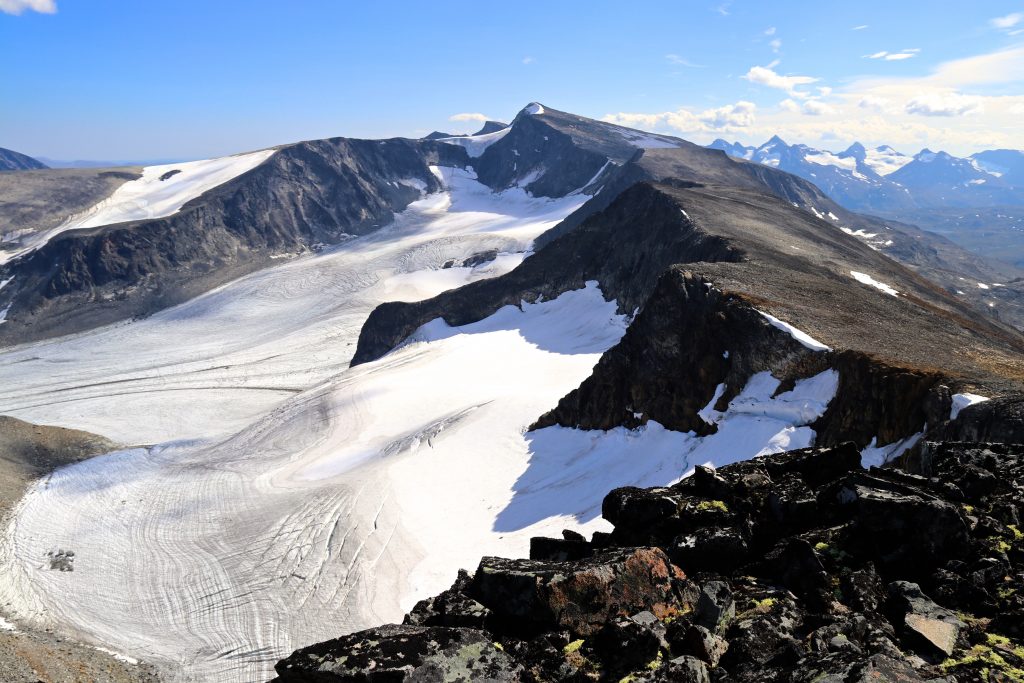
793,567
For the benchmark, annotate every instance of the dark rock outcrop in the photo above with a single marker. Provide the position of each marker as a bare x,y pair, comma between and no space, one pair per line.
891,574
391,654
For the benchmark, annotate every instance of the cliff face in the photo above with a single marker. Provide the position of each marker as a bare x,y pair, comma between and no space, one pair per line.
305,195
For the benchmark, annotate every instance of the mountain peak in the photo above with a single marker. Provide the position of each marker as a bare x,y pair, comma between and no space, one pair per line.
856,150
532,109
491,127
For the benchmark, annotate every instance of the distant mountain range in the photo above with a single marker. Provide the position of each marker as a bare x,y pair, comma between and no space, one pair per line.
975,201
882,179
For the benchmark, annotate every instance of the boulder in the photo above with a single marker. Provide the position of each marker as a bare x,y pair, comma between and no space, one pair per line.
932,631
704,645
715,607
581,595
398,654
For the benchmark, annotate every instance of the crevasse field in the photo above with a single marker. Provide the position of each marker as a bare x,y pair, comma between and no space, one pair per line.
271,497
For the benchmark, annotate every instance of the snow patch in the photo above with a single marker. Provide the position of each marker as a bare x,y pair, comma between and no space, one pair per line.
477,144
885,160
534,109
708,412
801,336
874,455
961,401
118,656
866,279
6,625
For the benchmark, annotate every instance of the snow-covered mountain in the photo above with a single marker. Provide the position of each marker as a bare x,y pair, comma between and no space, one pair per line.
358,365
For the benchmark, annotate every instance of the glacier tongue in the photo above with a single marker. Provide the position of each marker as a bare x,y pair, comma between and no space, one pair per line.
291,499
212,365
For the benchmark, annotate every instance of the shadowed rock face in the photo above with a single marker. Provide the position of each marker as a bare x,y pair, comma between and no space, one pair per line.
304,195
836,574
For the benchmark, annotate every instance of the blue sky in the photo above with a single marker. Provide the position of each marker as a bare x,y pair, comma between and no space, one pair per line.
112,79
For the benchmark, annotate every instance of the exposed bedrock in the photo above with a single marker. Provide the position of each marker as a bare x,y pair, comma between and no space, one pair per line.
791,567
306,194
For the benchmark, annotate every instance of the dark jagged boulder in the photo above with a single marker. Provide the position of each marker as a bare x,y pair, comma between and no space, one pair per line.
393,654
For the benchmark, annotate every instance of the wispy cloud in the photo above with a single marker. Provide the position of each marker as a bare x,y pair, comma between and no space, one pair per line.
528,60
770,31
776,45
682,61
468,116
859,28
1008,22
723,8
767,77
894,56
19,6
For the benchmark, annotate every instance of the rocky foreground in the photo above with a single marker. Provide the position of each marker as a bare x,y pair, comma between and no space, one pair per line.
793,567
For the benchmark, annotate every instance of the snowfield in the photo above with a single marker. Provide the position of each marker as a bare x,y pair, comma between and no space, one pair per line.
240,350
161,191
289,498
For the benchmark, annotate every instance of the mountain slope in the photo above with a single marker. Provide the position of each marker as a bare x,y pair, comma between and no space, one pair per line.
15,161
301,196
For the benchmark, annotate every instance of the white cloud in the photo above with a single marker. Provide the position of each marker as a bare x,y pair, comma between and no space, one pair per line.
809,108
19,6
770,31
528,60
859,28
873,102
1009,21
765,76
818,108
944,104
739,115
776,45
682,61
468,116
893,56
729,117
824,90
